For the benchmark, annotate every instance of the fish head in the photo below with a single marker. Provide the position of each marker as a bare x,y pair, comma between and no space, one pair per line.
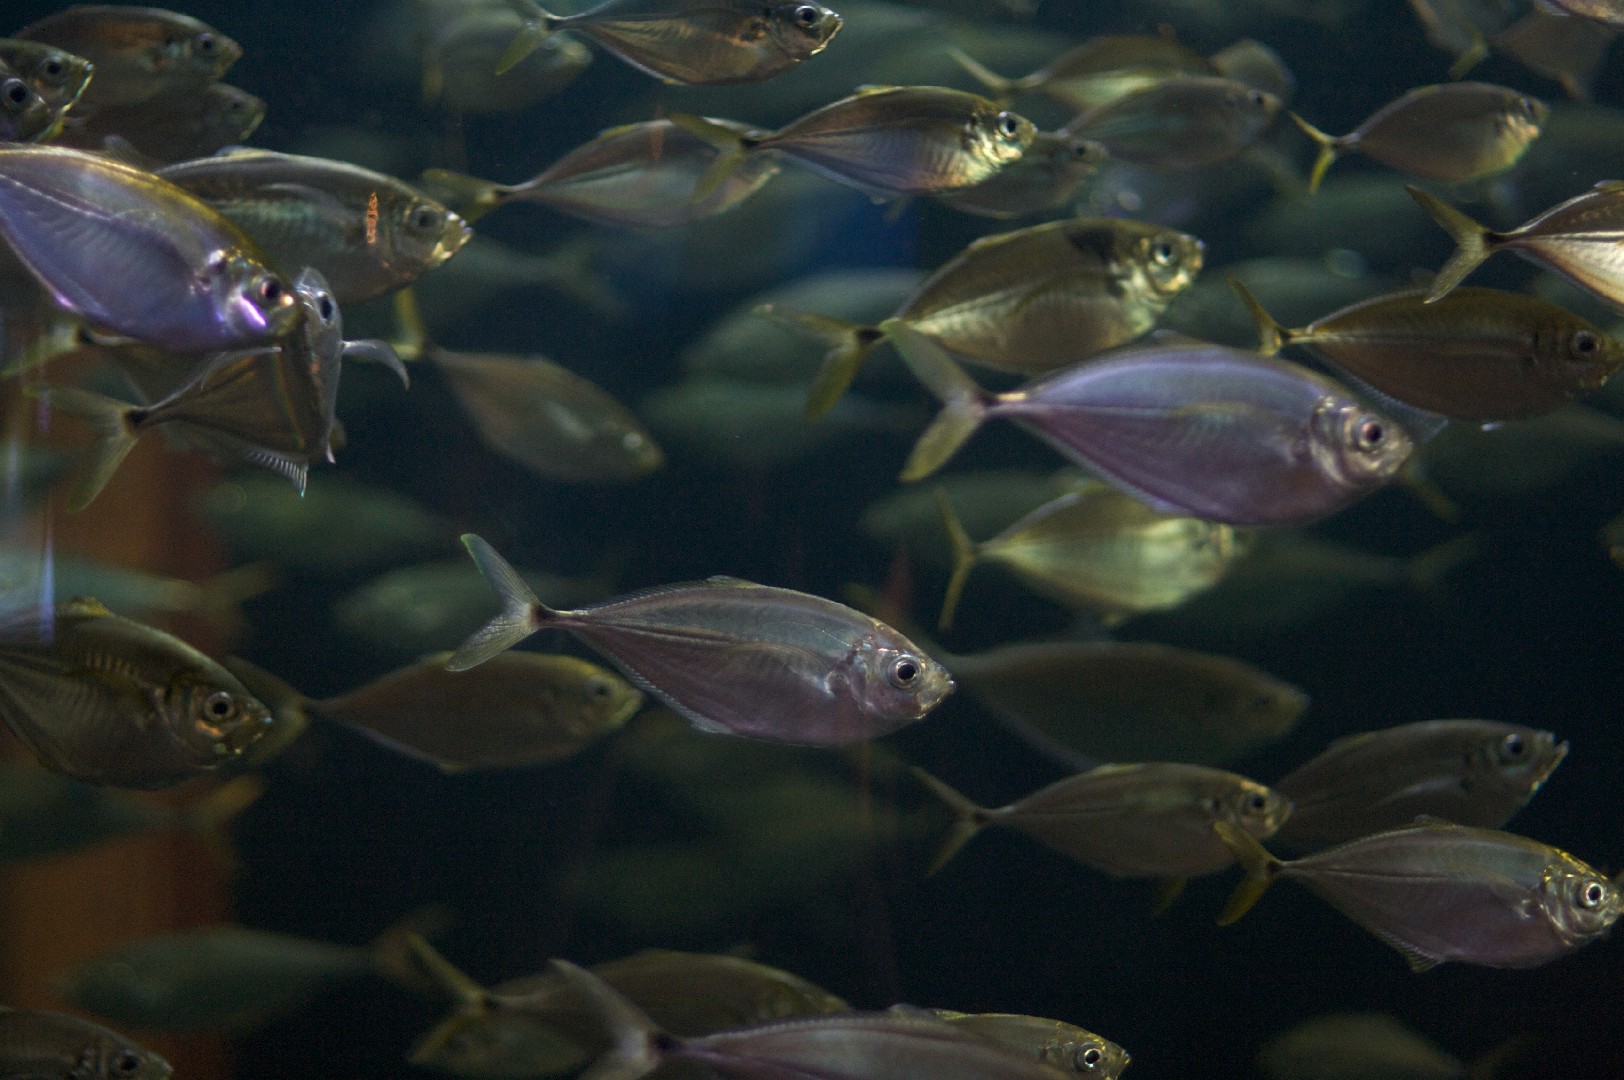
1355,446
59,75
24,114
802,28
250,299
606,700
231,114
1169,260
1587,358
214,716
1084,1055
1257,809
1521,120
894,677
1067,155
1516,761
205,53
997,136
119,1059
1580,902
323,322
425,233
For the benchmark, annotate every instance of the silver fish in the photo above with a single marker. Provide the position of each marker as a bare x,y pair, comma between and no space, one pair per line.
54,1046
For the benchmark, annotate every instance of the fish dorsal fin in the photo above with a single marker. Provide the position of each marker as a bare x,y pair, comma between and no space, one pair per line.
872,88
1429,821
727,581
84,607
1609,185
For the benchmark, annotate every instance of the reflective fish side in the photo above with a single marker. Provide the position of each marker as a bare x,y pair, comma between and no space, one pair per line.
133,255
368,234
1046,178
55,1046
1192,429
1438,892
1452,133
111,701
644,175
1607,13
1144,820
1474,354
139,53
690,42
733,656
1067,1047
169,129
1470,772
1183,122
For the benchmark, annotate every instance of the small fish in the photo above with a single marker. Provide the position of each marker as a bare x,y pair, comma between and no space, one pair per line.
337,526
1046,178
104,699
1255,64
460,55
1565,50
643,176
133,255
133,593
1097,71
883,140
1067,1047
56,75
1470,772
368,234
1192,429
168,129
1355,1046
733,656
54,1046
1027,301
1098,550
139,53
25,115
1437,892
1609,13
1183,122
1475,354
692,43
1145,820
1451,133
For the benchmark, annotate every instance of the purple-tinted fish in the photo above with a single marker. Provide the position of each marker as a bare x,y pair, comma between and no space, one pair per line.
1436,892
733,656
1190,428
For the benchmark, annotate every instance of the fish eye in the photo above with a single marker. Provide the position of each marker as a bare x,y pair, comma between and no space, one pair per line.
1088,1057
904,672
205,45
1257,99
806,16
1369,434
1585,342
1593,895
599,688
1162,253
1257,802
1529,107
1512,746
326,308
1007,124
426,218
270,289
128,1062
15,92
220,705
52,68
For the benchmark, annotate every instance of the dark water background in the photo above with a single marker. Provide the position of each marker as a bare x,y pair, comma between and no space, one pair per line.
348,837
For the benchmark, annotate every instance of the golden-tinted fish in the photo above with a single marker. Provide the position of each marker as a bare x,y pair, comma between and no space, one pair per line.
1067,1047
884,140
56,75
25,116
1470,772
1027,301
1183,122
1099,70
460,52
139,53
733,656
111,701
54,1046
1578,239
1475,354
1436,892
691,42
1145,820
1099,550
1609,13
169,129
367,233
1351,1045
1452,132
1046,178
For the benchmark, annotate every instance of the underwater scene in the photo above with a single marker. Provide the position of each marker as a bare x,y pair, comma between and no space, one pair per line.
856,539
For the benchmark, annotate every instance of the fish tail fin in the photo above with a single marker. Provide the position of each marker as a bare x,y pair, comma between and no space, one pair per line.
1329,148
964,559
635,1048
1475,54
1471,241
1261,870
399,951
538,23
521,611
1000,88
972,818
450,980
109,419
964,403
1270,334
849,345
731,148
1425,572
471,197
210,818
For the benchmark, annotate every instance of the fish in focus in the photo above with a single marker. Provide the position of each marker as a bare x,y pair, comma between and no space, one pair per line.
1191,429
690,42
1474,354
55,1046
104,699
1452,133
1067,1047
1438,892
139,53
733,656
1470,772
133,255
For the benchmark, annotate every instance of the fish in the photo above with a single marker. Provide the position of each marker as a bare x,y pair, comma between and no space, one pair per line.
1097,71
539,414
1182,122
134,593
514,710
734,656
1355,1046
460,53
1196,430
338,526
1612,540
1565,50
133,255
57,76
366,233
55,1046
139,53
1577,239
1046,178
1067,1047
25,114
1294,289
690,43
884,141
1098,550
645,175
1452,132
1474,354
1437,891
1608,13
111,701
1028,301
1140,820
169,129
1250,61
1470,772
